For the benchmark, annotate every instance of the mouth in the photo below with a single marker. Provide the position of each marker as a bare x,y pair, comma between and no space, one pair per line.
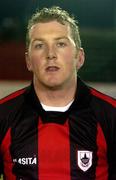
52,69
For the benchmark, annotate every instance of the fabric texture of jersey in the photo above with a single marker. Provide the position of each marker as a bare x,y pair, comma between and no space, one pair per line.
79,144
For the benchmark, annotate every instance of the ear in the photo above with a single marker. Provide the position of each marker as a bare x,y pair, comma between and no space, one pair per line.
28,62
80,58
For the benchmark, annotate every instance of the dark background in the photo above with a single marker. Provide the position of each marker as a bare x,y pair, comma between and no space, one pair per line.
97,21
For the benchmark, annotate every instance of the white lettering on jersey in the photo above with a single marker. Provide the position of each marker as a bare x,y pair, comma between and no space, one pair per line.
26,161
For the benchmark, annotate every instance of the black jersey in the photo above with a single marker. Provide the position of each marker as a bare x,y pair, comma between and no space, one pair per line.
79,144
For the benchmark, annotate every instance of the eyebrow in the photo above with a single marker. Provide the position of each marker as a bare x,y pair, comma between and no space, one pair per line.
37,39
57,38
63,37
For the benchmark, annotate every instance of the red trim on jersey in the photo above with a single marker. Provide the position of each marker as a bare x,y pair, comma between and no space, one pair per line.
102,164
12,96
104,97
53,151
5,149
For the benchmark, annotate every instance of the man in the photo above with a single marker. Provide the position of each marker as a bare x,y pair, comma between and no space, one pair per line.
58,128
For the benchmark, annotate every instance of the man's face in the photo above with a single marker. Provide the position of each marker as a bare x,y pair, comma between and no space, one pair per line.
52,55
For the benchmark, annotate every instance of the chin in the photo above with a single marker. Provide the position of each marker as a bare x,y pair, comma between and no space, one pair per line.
54,86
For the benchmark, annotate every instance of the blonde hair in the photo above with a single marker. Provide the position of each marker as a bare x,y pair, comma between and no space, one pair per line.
54,13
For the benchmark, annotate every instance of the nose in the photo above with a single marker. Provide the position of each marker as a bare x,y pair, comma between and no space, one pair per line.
51,52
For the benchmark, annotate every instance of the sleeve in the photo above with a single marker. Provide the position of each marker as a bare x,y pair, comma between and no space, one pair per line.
1,166
112,146
1,160
2,133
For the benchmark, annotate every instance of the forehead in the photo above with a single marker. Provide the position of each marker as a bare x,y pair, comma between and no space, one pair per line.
50,28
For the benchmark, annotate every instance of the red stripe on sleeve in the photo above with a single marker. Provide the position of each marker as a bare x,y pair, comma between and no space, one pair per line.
104,97
12,96
53,151
102,164
5,149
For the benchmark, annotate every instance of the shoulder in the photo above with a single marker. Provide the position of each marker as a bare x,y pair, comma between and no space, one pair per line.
103,98
91,98
11,98
11,102
104,107
9,106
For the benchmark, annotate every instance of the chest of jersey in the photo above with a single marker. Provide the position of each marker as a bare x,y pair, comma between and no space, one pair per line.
52,150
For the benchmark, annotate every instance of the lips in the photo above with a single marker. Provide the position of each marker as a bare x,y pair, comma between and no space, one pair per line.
52,68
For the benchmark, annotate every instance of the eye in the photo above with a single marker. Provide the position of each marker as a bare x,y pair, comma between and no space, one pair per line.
61,44
39,46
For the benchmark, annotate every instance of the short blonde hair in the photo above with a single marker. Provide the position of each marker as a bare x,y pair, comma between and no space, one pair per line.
54,13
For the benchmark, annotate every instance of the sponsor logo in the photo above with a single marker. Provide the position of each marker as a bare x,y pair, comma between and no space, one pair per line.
26,160
84,159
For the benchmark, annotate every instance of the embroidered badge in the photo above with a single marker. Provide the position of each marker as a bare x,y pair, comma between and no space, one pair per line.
84,159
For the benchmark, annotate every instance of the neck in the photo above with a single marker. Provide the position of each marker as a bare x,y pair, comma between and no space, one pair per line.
56,96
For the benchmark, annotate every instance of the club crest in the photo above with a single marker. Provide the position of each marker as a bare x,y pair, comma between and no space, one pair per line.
84,159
